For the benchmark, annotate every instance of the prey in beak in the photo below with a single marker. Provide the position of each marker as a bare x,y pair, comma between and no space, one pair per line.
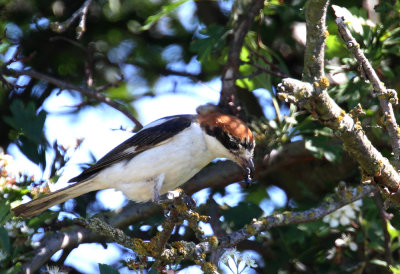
248,166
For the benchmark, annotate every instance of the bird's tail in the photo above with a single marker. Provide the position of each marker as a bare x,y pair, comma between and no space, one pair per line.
39,205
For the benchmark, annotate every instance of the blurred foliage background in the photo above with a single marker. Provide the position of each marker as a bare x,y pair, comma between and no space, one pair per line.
128,46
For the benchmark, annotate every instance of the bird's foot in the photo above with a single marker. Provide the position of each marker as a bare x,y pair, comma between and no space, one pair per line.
175,197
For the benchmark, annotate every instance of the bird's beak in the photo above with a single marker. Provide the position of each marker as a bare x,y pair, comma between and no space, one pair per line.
248,166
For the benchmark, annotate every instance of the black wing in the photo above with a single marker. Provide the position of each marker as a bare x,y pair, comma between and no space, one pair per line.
149,136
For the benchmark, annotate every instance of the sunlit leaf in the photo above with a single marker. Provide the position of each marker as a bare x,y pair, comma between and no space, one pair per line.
165,10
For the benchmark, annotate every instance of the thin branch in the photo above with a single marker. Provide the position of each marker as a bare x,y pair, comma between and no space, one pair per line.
386,96
276,220
231,69
277,69
112,233
265,70
73,236
65,85
317,101
72,42
384,216
82,13
314,63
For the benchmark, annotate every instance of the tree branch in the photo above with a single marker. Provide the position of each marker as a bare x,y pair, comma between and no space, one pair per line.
91,93
81,28
276,220
314,56
384,216
322,107
231,69
386,96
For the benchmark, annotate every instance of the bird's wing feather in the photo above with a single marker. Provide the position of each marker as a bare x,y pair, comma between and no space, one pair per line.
152,135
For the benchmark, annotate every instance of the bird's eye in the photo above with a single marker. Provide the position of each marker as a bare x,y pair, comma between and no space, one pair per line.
233,145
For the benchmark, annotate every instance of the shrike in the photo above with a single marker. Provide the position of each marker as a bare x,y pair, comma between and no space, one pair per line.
160,157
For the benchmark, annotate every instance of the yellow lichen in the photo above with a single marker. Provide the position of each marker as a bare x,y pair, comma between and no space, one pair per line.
358,126
251,229
324,82
326,33
180,247
140,246
208,267
378,168
213,241
316,84
341,116
282,96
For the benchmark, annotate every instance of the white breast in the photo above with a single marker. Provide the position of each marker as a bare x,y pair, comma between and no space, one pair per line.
179,159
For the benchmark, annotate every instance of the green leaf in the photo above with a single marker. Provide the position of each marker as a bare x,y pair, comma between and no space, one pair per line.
246,210
393,232
215,40
257,194
166,9
119,92
29,126
395,269
12,270
379,262
321,146
107,269
335,47
4,240
25,119
5,212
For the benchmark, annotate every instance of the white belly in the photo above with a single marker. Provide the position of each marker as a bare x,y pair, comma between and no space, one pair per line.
179,160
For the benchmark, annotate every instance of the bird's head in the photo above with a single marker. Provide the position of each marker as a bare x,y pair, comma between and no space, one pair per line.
233,134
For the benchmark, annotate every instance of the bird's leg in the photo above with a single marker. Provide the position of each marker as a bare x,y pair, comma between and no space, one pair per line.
177,196
189,201
158,182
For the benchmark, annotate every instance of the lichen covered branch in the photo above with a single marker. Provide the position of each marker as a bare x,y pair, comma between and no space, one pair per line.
387,97
189,251
315,12
355,141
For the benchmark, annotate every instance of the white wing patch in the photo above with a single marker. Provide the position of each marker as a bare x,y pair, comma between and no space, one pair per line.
158,122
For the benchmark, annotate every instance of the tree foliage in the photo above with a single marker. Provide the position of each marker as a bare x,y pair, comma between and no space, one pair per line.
336,216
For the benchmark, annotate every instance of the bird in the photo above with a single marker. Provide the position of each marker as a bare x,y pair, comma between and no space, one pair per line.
159,158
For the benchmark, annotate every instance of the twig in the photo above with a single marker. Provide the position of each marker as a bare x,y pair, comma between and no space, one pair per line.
315,12
265,70
386,96
384,216
109,231
72,42
81,12
231,69
65,85
14,58
322,106
277,69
